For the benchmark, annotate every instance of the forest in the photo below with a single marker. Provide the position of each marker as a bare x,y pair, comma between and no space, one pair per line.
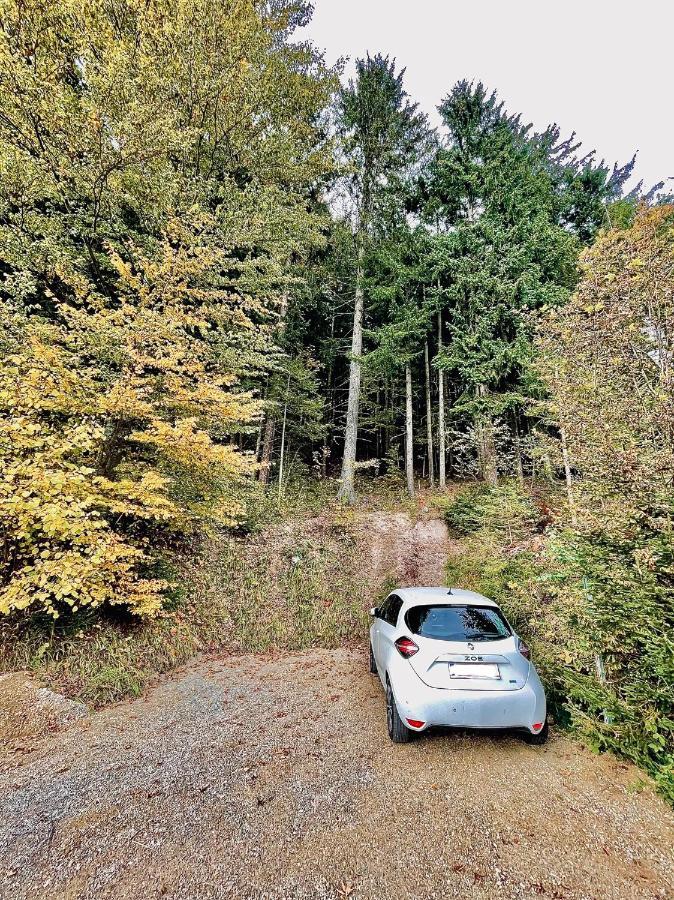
228,271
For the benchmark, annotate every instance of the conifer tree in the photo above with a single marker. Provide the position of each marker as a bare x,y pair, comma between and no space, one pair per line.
505,205
383,138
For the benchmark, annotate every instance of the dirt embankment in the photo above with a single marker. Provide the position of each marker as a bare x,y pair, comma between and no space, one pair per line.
28,710
408,552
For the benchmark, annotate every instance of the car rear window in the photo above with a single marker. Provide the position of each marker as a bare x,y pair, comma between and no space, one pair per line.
457,623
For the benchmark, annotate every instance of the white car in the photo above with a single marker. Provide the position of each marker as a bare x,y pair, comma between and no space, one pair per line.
449,657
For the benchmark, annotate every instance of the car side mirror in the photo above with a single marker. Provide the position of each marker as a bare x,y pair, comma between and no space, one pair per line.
374,611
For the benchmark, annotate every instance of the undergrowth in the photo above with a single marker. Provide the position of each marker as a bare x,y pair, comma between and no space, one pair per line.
291,577
588,613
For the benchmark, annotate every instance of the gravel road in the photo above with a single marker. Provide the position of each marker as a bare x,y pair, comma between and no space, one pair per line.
273,777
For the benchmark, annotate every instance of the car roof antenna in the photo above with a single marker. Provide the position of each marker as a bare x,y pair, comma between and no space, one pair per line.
449,591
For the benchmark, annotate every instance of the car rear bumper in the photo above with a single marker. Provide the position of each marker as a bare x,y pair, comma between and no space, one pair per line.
521,708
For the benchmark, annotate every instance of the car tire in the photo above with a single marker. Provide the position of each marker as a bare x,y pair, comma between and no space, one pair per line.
373,664
397,730
537,740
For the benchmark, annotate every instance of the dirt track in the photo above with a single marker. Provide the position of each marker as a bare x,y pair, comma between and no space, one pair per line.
273,777
408,552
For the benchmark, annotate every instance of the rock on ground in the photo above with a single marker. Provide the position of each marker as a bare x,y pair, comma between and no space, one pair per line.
272,777
28,710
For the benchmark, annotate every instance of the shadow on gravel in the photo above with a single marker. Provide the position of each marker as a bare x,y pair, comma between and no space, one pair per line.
500,735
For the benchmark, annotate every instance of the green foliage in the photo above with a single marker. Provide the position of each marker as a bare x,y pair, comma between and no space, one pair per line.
622,213
384,139
606,359
586,605
156,166
505,211
630,614
504,252
505,510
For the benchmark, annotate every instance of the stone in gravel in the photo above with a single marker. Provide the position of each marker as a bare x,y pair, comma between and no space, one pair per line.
29,711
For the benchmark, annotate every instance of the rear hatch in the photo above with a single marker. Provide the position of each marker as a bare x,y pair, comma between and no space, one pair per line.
481,656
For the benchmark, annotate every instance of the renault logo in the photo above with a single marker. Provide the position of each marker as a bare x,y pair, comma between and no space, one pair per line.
471,646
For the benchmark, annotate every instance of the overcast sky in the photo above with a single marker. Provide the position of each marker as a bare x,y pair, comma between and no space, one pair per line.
602,68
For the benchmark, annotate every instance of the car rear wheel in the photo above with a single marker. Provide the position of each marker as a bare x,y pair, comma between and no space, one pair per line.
537,740
373,664
397,730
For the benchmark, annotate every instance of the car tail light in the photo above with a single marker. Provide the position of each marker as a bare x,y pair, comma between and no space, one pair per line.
537,726
524,650
406,647
416,723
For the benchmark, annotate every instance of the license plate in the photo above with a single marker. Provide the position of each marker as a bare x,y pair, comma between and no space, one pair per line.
474,670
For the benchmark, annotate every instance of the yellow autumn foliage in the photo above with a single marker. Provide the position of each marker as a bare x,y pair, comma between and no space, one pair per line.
108,419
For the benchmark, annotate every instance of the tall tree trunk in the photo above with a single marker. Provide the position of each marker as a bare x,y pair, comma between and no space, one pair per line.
441,413
429,417
387,426
258,441
567,469
377,430
519,468
330,406
409,432
260,428
486,446
283,440
267,448
347,491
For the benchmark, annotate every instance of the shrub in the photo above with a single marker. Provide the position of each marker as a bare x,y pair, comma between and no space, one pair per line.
606,358
598,614
505,508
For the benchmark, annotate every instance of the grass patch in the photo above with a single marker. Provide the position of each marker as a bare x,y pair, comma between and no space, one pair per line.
111,658
505,511
292,587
